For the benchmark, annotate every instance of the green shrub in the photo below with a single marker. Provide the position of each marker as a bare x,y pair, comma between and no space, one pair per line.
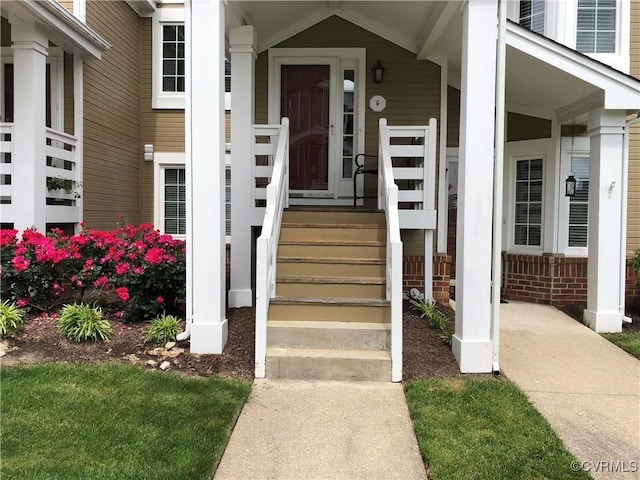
82,322
11,318
429,309
163,329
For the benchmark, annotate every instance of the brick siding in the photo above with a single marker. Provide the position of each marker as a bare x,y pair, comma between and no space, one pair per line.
554,280
413,275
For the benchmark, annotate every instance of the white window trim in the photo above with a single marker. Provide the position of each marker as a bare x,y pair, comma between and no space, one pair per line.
161,161
561,25
620,60
160,99
581,147
527,150
80,10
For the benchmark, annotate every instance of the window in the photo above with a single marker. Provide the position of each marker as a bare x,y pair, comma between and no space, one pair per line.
170,194
173,58
227,76
596,27
174,201
579,203
227,200
528,203
348,120
168,36
532,15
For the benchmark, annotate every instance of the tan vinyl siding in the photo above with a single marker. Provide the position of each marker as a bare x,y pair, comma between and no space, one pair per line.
411,87
68,94
523,127
633,216
68,4
112,147
164,129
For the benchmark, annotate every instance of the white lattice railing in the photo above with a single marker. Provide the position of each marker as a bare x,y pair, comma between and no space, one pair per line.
388,200
277,199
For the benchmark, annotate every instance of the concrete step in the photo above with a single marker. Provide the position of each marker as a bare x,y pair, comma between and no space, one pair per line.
326,364
360,267
328,231
329,309
329,335
301,215
324,286
332,249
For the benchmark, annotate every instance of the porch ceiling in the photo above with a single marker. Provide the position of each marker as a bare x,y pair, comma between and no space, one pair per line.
408,24
543,78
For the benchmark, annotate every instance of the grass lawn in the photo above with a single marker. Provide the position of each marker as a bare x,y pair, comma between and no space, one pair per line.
482,428
629,342
113,422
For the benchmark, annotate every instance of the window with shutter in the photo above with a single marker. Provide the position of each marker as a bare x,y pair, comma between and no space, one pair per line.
175,201
532,14
596,26
579,203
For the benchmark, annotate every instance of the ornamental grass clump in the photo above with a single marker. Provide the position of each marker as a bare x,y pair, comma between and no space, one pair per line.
163,329
11,318
82,322
428,308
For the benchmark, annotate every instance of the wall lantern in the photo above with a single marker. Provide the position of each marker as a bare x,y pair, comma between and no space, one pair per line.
570,185
378,72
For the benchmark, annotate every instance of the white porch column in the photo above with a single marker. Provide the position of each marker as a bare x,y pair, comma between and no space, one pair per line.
78,127
606,129
29,45
204,135
472,344
242,46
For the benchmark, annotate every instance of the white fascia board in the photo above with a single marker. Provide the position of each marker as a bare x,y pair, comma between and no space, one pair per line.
54,16
621,91
144,8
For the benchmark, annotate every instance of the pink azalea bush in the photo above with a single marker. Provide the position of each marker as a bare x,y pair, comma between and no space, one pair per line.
144,269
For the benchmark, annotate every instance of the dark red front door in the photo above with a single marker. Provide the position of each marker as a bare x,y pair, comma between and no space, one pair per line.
305,101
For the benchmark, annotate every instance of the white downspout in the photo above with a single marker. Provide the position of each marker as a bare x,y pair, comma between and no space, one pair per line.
623,214
497,184
188,167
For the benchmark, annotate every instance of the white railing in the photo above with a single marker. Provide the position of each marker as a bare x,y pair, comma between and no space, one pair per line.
277,198
388,200
6,164
413,157
63,175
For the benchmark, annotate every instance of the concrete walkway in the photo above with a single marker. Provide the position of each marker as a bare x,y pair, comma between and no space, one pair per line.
323,430
586,387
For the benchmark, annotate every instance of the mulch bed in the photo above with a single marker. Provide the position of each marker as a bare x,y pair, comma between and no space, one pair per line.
425,354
